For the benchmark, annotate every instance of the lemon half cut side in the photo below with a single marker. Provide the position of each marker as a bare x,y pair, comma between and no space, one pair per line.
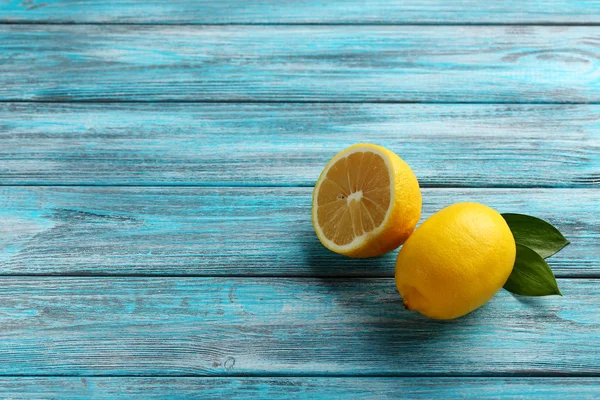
366,202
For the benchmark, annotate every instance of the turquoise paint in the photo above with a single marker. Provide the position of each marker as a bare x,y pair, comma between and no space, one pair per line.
307,11
299,388
447,64
180,189
237,231
288,144
256,326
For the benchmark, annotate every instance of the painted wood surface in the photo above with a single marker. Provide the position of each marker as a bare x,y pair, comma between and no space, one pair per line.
299,388
288,144
305,11
301,63
235,231
266,327
183,225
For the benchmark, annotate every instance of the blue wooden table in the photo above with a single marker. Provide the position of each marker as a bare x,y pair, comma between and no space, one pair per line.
157,160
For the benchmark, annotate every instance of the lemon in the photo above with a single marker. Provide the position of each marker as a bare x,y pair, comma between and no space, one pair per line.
455,261
366,202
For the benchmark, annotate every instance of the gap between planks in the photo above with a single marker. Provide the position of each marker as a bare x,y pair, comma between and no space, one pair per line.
219,185
366,24
158,275
295,101
324,375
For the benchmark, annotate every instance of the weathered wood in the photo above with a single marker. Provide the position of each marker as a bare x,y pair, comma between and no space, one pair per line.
306,11
288,144
235,231
298,388
264,326
304,63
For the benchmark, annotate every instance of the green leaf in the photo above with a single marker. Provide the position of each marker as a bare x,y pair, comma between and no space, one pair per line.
531,275
536,234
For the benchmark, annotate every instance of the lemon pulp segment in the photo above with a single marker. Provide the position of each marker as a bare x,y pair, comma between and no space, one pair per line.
354,197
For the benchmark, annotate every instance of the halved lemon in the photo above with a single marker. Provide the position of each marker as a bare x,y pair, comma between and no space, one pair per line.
366,202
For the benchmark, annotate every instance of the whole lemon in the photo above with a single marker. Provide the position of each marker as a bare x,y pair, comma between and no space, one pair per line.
455,261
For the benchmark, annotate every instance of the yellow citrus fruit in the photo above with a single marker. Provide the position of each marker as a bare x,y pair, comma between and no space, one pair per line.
366,202
455,261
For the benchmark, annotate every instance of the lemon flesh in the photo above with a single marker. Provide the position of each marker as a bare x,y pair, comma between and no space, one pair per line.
366,202
455,261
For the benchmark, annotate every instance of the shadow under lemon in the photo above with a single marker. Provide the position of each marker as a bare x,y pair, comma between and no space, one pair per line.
364,295
321,262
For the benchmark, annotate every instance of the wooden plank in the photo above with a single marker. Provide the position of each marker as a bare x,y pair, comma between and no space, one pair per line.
288,144
300,63
265,327
299,388
306,11
235,231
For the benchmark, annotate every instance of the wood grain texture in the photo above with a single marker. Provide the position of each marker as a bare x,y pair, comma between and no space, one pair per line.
305,11
236,231
288,144
266,327
300,63
298,388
